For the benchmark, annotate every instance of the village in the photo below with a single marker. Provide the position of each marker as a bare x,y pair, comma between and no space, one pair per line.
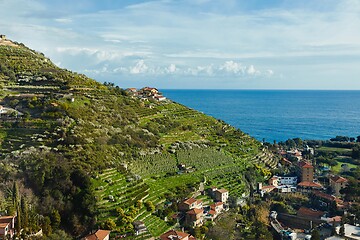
326,210
146,93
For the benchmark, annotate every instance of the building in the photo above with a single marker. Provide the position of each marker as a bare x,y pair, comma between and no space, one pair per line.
7,227
283,181
2,37
274,181
288,181
160,98
221,195
337,183
194,217
139,227
351,232
307,183
98,235
307,171
329,198
176,235
132,90
189,204
218,207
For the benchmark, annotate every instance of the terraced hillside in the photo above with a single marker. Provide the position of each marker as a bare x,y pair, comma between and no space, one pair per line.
101,158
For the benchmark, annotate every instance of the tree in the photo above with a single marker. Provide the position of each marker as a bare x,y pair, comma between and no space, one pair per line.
355,152
315,235
358,139
109,224
149,206
24,212
55,219
290,143
46,226
59,234
298,142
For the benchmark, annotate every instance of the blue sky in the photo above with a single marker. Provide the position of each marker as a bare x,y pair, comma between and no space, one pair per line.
244,44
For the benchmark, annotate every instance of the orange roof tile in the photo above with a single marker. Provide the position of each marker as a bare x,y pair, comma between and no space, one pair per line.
335,219
307,212
6,219
223,190
98,235
172,234
339,179
195,211
309,184
190,201
4,225
324,195
303,164
212,212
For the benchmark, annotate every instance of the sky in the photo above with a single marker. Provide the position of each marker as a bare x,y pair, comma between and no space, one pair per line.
195,44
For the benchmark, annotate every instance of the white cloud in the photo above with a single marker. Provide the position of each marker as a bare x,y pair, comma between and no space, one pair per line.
232,67
140,67
63,20
201,38
251,70
171,68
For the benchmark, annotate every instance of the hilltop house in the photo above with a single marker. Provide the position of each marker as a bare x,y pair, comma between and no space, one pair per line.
215,210
307,177
337,183
194,217
98,235
7,227
176,235
189,204
283,181
218,207
2,37
221,195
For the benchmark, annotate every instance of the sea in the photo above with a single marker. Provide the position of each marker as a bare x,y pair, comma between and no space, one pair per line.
278,115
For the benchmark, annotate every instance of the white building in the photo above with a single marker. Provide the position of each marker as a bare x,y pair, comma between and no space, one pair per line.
287,181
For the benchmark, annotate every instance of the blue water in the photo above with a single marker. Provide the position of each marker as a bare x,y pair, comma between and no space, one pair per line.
279,114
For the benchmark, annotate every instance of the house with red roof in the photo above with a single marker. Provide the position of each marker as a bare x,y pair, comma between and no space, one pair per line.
307,177
274,181
194,217
337,183
218,207
221,195
7,227
176,235
189,204
98,235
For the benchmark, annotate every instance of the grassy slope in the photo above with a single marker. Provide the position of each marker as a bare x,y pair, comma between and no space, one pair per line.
103,128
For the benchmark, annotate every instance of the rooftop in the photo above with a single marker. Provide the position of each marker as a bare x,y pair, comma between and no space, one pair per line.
172,235
309,184
195,211
98,235
190,201
339,179
304,164
303,211
223,190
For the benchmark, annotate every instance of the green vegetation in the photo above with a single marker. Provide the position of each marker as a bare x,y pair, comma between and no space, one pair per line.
89,153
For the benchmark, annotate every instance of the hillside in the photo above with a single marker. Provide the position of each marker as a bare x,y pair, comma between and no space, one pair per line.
89,152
